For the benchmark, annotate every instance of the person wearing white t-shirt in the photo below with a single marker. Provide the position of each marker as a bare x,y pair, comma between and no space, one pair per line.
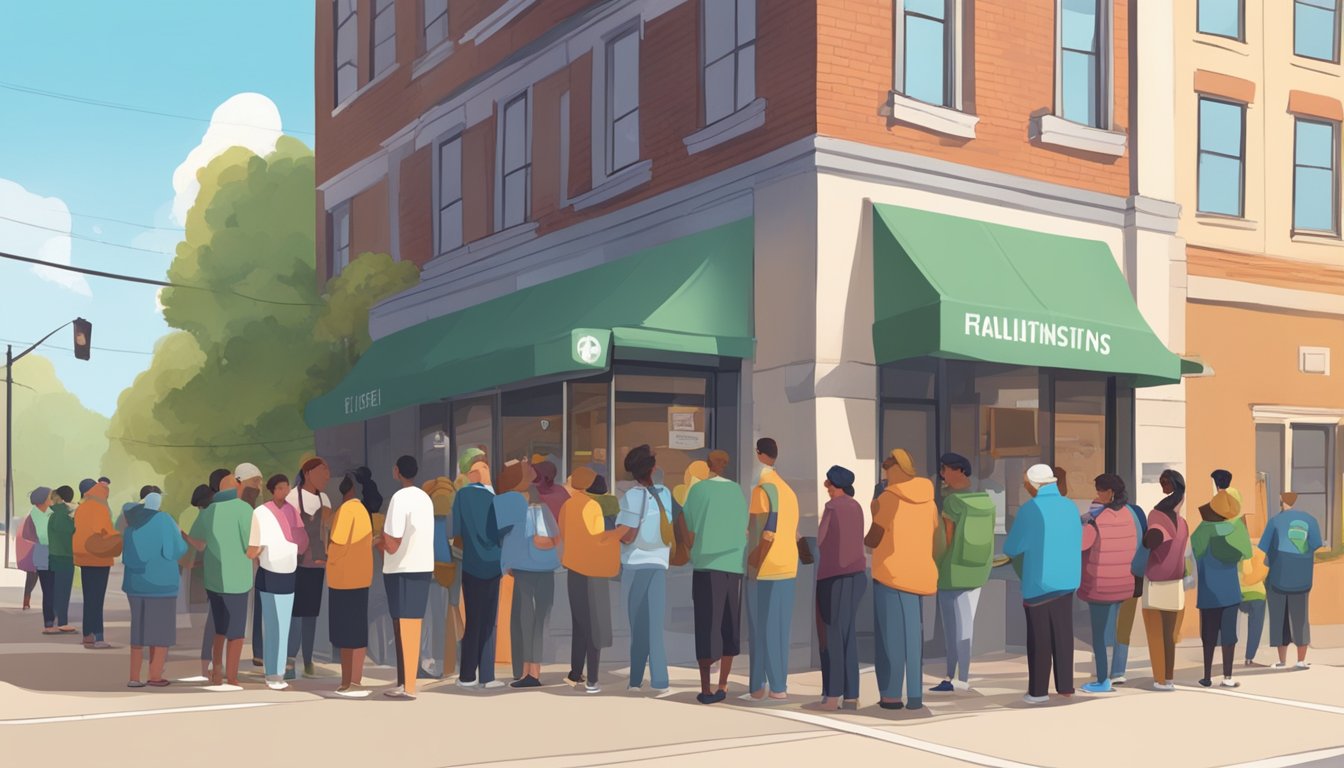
275,542
315,513
408,541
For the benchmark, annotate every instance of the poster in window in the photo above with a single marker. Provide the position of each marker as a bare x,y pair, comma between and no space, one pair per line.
685,428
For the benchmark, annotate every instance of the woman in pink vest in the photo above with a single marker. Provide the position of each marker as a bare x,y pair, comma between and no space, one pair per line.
1110,539
1167,540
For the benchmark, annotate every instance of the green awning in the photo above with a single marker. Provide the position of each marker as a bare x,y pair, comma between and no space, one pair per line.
692,295
957,288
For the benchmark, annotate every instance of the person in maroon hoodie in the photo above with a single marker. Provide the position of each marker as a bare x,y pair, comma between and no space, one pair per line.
1110,539
841,581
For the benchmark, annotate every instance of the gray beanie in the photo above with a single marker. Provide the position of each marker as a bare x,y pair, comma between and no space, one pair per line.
85,485
39,495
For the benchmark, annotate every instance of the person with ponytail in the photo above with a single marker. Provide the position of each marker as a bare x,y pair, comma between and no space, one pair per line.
349,576
1167,539
309,497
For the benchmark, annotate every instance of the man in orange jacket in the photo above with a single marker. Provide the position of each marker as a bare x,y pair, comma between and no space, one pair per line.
96,545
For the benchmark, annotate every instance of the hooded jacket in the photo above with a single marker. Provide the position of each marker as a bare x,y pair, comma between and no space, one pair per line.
1047,535
1109,543
60,536
153,546
92,518
905,558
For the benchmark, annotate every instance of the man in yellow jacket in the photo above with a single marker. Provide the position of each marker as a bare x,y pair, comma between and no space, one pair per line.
96,545
1253,573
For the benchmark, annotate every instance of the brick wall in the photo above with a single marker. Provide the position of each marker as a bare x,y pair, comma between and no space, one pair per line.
369,226
415,204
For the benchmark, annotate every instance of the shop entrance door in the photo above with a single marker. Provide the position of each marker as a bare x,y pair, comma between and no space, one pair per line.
1269,450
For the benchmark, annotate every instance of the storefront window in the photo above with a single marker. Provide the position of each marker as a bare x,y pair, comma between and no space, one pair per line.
1080,434
380,457
589,426
531,425
436,457
473,425
671,413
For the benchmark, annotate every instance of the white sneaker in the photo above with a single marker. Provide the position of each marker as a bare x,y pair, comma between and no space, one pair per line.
352,692
1278,665
1118,680
399,693
468,685
1230,683
591,688
957,685
661,693
634,688
1035,699
276,683
1160,686
494,684
1303,665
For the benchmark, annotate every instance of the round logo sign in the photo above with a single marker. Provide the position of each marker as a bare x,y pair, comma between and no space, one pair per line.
589,349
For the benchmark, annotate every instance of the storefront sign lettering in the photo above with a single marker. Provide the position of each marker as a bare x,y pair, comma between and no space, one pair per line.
363,401
1018,330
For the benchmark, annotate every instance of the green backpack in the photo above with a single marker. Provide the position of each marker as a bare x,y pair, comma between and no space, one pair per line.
968,560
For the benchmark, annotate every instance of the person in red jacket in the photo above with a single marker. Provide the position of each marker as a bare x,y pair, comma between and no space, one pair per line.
1110,539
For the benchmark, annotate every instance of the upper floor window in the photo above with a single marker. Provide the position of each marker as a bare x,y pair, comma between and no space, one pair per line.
1083,56
1222,157
515,163
1316,29
926,45
622,101
338,241
436,23
347,48
1222,18
730,56
1315,177
448,195
384,36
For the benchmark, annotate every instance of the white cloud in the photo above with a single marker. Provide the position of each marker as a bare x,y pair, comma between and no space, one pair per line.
245,120
158,301
45,235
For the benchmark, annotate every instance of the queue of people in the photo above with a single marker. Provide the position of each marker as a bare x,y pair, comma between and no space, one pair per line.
457,540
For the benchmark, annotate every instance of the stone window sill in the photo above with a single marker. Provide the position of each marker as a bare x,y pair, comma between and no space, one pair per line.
1226,222
365,88
944,120
1056,131
481,249
1229,44
624,181
432,59
1318,238
743,121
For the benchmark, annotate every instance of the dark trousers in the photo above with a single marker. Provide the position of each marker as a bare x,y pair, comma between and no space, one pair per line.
258,647
838,607
94,578
48,581
1210,634
1050,645
478,636
64,580
583,645
1255,625
303,634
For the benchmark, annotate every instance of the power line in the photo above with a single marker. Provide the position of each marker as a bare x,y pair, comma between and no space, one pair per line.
211,447
123,221
85,238
129,108
149,281
68,349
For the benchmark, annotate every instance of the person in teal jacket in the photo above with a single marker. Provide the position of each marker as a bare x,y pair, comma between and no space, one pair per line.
152,547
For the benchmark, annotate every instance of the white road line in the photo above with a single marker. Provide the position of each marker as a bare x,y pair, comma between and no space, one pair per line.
136,713
1287,761
1327,708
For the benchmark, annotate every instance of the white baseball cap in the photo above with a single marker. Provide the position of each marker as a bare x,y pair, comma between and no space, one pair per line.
246,471
1041,474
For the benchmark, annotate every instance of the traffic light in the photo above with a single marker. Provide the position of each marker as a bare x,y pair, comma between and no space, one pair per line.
83,337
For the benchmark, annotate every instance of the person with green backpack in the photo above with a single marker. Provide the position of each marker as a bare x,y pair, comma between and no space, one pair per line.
968,523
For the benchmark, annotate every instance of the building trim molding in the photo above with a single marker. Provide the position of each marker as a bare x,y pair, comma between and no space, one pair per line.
1218,290
1285,414
740,123
496,21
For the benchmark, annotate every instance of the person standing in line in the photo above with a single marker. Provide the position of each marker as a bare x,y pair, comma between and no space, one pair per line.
551,493
841,567
349,577
476,533
96,545
906,545
773,563
1253,574
1044,542
592,555
714,525
1290,542
193,568
276,540
645,530
310,498
61,555
528,553
35,534
446,590
150,580
1110,539
1167,539
24,545
968,520
408,542
1220,544
1124,624
222,531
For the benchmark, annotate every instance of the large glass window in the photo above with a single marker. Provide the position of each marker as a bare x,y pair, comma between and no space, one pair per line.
926,46
1221,17
623,101
450,195
474,426
729,56
1081,61
589,427
435,23
671,413
1080,434
436,455
346,66
1315,179
1222,146
384,42
516,162
531,423
1312,472
338,244
1316,29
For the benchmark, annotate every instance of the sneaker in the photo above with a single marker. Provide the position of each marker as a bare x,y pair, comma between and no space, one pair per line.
574,678
100,646
1278,665
706,698
661,693
1303,665
291,673
468,684
135,684
1103,686
1118,680
891,704
943,687
1230,683
494,685
257,662
1035,699
960,687
1206,682
352,692
276,683
309,670
526,682
425,674
915,704
1163,686
398,693
158,683
1252,664
591,688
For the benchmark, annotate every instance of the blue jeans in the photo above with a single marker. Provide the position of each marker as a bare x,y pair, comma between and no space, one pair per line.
1103,635
900,642
957,609
1255,625
276,611
769,615
647,606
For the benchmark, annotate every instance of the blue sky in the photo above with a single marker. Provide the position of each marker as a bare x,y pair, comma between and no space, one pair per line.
173,56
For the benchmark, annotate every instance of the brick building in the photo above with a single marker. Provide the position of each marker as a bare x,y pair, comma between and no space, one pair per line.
850,225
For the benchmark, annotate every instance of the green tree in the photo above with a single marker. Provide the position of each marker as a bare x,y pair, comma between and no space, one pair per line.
231,384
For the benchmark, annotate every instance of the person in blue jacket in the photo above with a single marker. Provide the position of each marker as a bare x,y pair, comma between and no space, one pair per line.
152,547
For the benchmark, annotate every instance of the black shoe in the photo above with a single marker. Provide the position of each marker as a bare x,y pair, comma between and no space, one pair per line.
575,678
1206,682
707,698
526,682
891,704
720,695
425,674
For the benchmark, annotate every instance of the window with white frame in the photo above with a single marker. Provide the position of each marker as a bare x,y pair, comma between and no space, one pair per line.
1298,454
622,120
515,163
435,23
1316,177
1222,157
384,40
338,246
1083,60
1223,18
1316,29
729,35
346,64
925,47
1311,471
448,195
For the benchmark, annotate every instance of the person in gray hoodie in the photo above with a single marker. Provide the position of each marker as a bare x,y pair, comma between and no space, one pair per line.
152,547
